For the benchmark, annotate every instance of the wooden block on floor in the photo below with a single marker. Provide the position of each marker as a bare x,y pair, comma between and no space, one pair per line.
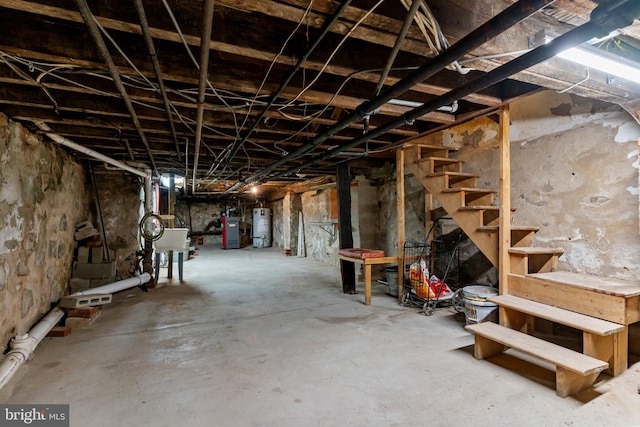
84,312
59,331
81,322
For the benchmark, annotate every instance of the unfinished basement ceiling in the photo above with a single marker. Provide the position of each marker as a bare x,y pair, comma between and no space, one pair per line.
52,72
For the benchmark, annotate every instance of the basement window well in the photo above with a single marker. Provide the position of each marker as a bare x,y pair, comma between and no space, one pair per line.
179,181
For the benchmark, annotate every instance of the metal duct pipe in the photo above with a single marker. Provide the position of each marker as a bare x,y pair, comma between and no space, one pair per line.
118,286
205,41
327,26
490,29
144,25
604,19
88,151
22,346
89,20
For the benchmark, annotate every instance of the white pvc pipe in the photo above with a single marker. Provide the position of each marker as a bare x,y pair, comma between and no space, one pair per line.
89,152
117,286
22,346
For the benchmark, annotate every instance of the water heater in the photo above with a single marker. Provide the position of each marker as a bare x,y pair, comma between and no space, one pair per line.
261,227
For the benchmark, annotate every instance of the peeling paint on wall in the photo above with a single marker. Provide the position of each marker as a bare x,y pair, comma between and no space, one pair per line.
578,181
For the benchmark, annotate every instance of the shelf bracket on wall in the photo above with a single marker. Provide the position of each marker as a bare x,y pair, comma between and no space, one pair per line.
329,226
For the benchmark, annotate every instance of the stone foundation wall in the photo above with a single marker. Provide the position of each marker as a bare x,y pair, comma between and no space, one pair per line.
42,196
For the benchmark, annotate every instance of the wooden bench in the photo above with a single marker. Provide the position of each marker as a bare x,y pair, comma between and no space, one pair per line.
574,371
602,339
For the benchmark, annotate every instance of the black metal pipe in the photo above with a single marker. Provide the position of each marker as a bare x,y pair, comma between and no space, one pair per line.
490,29
151,49
603,21
408,20
205,42
325,30
89,20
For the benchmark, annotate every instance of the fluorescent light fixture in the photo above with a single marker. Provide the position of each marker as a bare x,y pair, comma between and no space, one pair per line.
607,64
413,104
405,103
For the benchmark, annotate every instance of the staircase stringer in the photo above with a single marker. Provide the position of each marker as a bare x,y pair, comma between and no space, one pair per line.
469,222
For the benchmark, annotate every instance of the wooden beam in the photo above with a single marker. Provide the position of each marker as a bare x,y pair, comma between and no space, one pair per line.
255,54
400,217
229,83
505,201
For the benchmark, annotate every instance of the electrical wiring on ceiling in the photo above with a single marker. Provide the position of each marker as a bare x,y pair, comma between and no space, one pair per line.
94,73
292,103
257,94
28,77
428,25
121,52
38,66
335,51
231,100
275,59
197,65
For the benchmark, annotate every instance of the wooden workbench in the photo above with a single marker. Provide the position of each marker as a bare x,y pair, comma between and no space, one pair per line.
367,263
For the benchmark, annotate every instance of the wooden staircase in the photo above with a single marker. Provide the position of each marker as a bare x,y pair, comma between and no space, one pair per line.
601,308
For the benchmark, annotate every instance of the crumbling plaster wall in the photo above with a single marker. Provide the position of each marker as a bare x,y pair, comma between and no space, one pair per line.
574,174
322,243
578,181
42,196
277,212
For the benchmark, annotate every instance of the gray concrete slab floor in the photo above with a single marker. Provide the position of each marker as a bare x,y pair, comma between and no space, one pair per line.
254,338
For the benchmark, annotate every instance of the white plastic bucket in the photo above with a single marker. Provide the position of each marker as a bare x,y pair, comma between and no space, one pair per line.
476,307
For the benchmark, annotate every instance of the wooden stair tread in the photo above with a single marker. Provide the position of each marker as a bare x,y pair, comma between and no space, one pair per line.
558,315
469,190
617,287
432,147
561,356
439,160
481,208
535,250
454,174
516,228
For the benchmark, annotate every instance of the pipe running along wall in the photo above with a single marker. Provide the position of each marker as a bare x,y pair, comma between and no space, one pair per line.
489,30
604,19
88,151
118,286
22,346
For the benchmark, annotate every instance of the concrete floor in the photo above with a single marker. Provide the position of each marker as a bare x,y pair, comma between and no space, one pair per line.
254,338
